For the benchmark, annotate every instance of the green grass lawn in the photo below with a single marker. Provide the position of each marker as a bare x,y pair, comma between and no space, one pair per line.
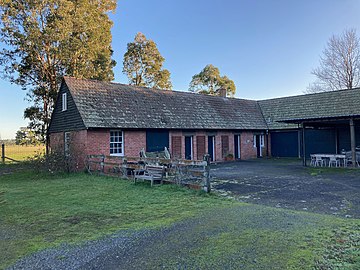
41,211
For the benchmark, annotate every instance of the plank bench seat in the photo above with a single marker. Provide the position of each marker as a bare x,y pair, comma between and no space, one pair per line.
150,173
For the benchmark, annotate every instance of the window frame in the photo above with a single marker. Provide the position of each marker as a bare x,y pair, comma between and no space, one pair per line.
191,147
262,140
121,142
64,102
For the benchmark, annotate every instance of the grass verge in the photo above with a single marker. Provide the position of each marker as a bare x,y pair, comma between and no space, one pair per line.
41,211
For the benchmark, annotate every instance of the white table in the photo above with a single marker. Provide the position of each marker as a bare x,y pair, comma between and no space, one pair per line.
325,157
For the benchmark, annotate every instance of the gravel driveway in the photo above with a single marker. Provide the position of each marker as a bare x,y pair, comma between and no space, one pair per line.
287,184
255,236
190,244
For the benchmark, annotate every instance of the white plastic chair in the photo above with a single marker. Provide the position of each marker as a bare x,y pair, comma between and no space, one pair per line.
334,161
319,161
312,160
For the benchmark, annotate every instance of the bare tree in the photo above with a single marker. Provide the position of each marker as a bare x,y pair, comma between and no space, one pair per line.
339,65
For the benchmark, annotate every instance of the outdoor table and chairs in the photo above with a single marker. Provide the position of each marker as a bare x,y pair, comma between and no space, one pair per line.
331,160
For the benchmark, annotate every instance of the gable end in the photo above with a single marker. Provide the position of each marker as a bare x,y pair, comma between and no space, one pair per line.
65,120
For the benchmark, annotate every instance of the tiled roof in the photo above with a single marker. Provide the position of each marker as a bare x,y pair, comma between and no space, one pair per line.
336,104
112,105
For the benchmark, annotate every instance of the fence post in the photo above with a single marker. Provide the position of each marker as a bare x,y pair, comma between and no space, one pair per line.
3,153
207,186
102,164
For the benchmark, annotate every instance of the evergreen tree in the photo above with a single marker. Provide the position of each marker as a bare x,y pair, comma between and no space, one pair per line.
43,40
209,81
143,64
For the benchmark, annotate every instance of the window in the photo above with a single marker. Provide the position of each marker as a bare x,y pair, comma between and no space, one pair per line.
64,102
116,143
254,141
67,144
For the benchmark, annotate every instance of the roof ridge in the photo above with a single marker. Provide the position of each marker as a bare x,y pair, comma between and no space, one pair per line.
312,94
144,88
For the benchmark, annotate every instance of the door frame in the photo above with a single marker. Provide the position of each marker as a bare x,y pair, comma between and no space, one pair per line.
191,148
237,141
212,154
259,144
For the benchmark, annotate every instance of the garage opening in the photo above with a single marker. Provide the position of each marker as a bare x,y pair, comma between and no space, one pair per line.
157,140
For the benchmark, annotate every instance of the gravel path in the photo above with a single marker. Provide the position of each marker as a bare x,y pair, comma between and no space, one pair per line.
185,245
192,244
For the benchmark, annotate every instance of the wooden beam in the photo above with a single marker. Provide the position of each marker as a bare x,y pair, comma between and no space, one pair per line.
299,141
353,142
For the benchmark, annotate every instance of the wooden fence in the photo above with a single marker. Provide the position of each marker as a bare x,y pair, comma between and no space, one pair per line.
192,173
17,153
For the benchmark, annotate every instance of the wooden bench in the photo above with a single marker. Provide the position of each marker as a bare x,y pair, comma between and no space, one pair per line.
150,173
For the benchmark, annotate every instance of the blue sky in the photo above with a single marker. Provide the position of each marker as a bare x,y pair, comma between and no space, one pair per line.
268,47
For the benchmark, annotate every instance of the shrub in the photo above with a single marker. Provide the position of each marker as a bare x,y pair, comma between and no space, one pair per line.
53,162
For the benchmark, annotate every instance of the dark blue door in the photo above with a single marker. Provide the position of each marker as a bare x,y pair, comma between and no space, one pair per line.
237,146
285,144
211,149
156,140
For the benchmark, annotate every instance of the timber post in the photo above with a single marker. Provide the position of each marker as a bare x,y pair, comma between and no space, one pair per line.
102,164
303,144
3,153
207,186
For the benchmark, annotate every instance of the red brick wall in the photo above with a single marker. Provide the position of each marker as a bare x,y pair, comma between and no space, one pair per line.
91,142
247,145
134,142
57,142
98,142
78,142
196,134
268,143
77,147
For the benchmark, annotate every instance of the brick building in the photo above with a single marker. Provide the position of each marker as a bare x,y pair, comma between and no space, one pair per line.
92,117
